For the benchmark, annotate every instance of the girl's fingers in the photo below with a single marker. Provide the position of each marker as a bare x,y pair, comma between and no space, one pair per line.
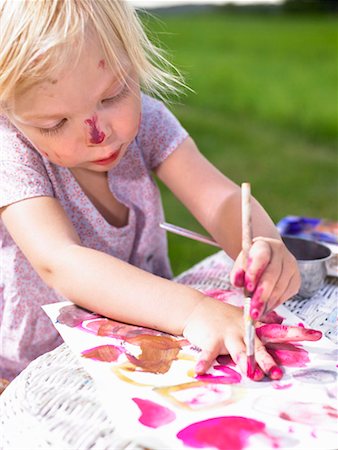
265,364
269,284
260,256
292,288
282,333
206,359
237,274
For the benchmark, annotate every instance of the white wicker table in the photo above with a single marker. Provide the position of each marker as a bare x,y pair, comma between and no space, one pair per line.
53,404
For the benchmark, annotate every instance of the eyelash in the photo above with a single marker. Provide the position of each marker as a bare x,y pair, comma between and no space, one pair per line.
56,129
122,94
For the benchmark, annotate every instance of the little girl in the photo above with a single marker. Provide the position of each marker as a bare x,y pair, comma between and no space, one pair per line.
80,210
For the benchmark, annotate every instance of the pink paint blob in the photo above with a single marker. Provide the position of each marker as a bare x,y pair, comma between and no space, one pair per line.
287,354
224,433
96,136
230,376
153,415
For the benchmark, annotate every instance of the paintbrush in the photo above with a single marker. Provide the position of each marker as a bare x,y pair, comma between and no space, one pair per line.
189,234
249,328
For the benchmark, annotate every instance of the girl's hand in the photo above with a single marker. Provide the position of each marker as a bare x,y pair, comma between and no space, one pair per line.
272,275
218,329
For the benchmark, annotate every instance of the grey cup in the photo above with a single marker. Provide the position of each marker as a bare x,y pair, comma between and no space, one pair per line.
311,258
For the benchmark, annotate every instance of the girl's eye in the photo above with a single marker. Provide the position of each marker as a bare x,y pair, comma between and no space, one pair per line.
53,130
122,94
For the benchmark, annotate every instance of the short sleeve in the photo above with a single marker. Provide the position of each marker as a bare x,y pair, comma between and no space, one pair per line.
22,171
160,132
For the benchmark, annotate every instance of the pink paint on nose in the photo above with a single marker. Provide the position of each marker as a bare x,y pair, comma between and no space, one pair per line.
96,136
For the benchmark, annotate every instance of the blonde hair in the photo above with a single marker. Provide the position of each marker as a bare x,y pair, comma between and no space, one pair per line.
38,38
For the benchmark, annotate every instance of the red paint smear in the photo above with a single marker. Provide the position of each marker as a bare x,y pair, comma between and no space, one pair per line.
225,360
289,355
73,316
272,317
223,433
153,415
106,353
311,414
96,136
331,412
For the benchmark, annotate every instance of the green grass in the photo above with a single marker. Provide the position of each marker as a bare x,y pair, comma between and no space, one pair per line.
264,110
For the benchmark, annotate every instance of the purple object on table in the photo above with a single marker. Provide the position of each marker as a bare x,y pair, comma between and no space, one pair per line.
308,228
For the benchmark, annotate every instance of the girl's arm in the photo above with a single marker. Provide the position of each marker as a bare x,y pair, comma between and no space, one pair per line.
90,278
272,274
116,289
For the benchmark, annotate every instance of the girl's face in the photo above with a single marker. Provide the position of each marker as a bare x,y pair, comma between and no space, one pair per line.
84,118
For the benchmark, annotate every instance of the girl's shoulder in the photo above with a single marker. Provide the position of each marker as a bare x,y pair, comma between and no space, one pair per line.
15,147
160,132
22,171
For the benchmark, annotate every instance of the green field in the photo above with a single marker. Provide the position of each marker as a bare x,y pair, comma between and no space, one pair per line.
264,109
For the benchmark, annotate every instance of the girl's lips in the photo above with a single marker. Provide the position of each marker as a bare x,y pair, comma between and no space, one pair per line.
108,160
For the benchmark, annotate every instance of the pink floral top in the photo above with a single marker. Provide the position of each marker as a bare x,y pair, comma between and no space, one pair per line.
25,330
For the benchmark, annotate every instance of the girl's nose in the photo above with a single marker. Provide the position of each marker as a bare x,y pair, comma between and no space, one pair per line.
95,134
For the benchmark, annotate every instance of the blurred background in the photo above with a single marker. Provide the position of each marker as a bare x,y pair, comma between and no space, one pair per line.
265,102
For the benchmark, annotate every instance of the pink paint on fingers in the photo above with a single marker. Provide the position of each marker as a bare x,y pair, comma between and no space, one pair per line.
239,278
201,367
275,373
259,374
272,317
282,333
96,136
153,415
251,367
257,304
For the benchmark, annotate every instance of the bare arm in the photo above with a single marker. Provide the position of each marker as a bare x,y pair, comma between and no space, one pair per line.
90,278
272,274
211,197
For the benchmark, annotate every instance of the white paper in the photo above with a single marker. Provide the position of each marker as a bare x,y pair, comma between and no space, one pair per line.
297,412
